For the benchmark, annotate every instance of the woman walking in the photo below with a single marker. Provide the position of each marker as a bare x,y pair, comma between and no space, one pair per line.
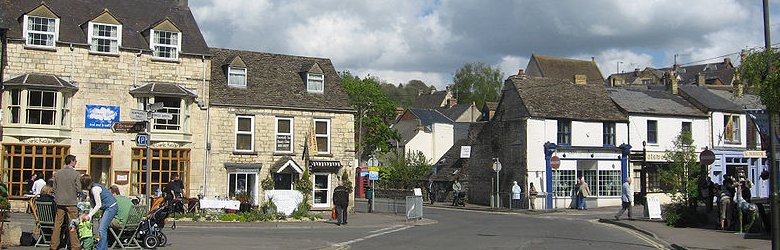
101,199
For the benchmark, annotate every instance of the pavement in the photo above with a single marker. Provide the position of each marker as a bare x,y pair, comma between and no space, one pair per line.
674,238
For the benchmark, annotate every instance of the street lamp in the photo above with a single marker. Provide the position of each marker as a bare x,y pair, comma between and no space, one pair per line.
643,175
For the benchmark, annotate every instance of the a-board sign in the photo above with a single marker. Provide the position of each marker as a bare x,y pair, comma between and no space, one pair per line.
653,207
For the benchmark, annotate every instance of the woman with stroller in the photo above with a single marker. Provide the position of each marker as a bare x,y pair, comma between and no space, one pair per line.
102,199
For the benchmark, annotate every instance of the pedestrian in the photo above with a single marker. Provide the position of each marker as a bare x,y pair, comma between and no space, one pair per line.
431,191
532,196
725,204
124,204
626,197
174,192
66,189
101,199
457,188
341,201
30,185
38,184
707,193
582,193
516,195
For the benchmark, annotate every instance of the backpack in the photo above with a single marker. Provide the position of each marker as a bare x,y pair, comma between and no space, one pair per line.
27,239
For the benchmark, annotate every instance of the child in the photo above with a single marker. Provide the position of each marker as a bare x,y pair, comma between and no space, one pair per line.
85,233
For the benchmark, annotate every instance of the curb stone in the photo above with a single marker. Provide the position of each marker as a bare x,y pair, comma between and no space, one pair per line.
643,231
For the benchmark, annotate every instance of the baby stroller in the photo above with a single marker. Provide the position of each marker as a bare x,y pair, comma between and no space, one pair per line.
150,230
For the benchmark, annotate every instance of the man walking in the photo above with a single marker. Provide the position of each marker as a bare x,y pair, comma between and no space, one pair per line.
341,200
66,186
626,197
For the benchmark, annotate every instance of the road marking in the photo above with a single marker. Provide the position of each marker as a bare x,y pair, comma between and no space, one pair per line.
383,229
641,236
383,232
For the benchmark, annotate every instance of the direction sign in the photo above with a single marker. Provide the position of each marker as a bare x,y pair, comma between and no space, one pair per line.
707,157
138,115
128,127
555,162
164,116
154,107
141,140
373,175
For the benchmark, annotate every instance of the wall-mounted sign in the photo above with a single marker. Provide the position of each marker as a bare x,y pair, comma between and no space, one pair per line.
465,152
754,154
283,143
98,116
121,177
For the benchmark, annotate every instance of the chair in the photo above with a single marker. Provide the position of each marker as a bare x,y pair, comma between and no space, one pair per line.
44,213
126,235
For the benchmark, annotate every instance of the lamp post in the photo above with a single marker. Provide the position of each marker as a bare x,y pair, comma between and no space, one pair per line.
773,182
643,175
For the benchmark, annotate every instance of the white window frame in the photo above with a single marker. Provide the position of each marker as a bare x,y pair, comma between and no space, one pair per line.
327,190
27,32
313,78
61,108
238,71
251,133
327,135
277,134
736,137
153,45
92,37
654,132
253,188
42,108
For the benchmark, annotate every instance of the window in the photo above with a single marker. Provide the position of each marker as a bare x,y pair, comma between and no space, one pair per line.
171,105
563,182
41,107
284,134
322,131
731,128
15,106
609,183
315,83
164,163
236,77
564,132
591,177
653,173
652,131
242,184
21,160
165,44
104,38
647,81
284,181
609,133
686,128
321,190
245,133
40,31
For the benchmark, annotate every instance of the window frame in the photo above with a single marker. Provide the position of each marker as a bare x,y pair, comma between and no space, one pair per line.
313,78
564,132
686,127
277,134
652,134
91,37
27,32
178,162
42,108
326,136
230,73
153,43
736,136
609,133
15,176
234,175
251,133
327,190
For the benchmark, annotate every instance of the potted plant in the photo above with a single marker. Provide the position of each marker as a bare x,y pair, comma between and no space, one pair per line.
245,198
269,207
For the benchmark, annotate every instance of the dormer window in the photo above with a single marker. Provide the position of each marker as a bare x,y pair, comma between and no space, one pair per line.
40,31
315,83
236,77
105,38
166,44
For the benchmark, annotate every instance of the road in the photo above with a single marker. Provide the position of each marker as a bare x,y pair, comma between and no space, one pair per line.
452,229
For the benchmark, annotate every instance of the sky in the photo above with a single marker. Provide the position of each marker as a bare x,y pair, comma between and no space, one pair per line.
429,40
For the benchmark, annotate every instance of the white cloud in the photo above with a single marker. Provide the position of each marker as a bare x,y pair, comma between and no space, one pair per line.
608,61
103,114
510,65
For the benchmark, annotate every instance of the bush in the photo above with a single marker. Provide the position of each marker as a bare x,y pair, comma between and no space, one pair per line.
681,215
230,217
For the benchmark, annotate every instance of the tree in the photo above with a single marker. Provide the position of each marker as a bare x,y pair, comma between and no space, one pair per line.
403,172
477,82
374,110
759,70
682,175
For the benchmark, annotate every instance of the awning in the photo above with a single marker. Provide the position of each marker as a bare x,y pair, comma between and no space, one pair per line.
243,167
286,165
41,81
325,166
161,88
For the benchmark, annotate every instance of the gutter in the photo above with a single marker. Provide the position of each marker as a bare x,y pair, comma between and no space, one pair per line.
284,107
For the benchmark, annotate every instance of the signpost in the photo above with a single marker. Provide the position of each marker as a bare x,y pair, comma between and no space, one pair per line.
555,163
164,116
497,168
127,127
138,115
140,122
142,140
707,157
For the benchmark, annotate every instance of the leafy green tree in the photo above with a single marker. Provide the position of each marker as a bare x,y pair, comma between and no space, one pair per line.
759,70
403,172
477,82
681,176
374,110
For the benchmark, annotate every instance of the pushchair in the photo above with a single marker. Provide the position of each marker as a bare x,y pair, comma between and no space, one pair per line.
150,230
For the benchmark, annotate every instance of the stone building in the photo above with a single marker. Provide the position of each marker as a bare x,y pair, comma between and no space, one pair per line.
266,112
576,71
72,68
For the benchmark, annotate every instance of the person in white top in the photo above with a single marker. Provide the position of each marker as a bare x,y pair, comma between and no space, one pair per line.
516,195
38,184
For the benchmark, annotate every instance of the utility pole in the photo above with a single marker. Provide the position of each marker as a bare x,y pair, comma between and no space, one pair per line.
773,199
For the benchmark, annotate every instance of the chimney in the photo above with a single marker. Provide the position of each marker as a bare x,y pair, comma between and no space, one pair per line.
636,71
700,79
580,79
673,83
727,62
183,3
433,91
593,59
521,72
420,127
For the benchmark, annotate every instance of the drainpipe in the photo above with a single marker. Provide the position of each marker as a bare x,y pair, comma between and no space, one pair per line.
206,146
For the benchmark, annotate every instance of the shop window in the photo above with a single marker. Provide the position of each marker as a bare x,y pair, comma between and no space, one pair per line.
165,161
321,190
21,160
563,182
609,183
244,184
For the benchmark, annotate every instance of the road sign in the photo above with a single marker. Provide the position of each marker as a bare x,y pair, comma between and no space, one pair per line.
555,162
154,107
164,116
707,157
128,127
373,168
138,115
496,166
373,175
141,140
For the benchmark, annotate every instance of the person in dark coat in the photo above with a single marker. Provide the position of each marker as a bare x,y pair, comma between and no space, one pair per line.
341,201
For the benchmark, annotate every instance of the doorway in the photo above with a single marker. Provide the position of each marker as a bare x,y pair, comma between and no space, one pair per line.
100,162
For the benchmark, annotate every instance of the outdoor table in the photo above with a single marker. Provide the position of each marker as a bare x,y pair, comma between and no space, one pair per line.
221,204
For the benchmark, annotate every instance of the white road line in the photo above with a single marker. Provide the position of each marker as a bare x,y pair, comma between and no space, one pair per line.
637,234
345,243
383,229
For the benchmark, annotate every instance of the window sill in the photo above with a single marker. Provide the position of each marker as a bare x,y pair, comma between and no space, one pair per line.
164,59
324,155
284,154
244,153
39,47
98,53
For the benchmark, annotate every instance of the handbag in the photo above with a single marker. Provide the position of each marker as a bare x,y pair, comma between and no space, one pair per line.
333,213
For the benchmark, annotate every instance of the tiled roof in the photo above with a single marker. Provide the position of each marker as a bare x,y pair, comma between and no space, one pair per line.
453,113
407,129
707,100
161,88
653,102
275,81
430,100
565,68
430,116
41,81
746,101
561,99
136,17
281,163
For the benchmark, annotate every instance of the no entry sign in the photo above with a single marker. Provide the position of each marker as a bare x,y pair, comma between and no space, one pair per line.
707,157
555,162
